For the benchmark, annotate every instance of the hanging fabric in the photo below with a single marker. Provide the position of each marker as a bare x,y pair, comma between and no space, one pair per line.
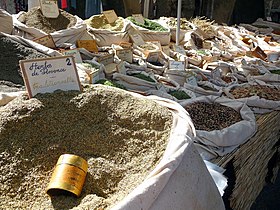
93,7
64,4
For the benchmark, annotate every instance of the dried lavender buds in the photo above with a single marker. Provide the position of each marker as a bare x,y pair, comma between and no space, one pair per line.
209,117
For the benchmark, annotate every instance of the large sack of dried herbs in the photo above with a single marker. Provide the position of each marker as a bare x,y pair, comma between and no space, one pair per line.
221,124
6,21
152,30
66,28
139,152
258,95
107,33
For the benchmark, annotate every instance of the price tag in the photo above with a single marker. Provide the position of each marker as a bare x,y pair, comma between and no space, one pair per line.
75,53
125,55
180,49
121,68
137,39
46,75
176,65
110,15
139,18
107,59
49,8
192,81
153,56
89,45
216,73
46,41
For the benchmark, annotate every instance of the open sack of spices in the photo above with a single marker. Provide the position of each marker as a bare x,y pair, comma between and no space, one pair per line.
107,33
66,28
258,95
137,149
221,124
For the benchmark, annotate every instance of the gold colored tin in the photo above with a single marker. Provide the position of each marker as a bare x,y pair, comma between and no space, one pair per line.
69,175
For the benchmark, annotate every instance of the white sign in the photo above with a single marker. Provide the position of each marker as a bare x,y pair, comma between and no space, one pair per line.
49,8
125,55
46,75
75,53
191,80
177,65
110,15
137,39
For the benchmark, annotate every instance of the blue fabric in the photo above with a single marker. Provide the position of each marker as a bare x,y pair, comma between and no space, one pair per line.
93,7
74,4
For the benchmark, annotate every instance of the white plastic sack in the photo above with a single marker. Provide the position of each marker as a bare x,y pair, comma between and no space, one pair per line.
181,179
6,21
69,35
272,79
226,140
6,97
262,105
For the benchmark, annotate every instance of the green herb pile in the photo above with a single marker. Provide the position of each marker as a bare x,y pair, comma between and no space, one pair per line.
275,71
110,83
144,77
148,24
179,94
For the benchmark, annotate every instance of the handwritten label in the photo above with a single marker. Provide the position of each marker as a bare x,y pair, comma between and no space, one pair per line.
89,45
137,39
121,68
107,59
192,81
46,41
139,18
153,56
50,74
125,55
110,15
75,53
49,8
177,65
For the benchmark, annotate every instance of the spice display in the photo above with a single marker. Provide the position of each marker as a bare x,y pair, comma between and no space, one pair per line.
275,71
143,77
266,92
11,53
179,94
212,116
184,23
35,18
148,24
100,22
110,83
120,136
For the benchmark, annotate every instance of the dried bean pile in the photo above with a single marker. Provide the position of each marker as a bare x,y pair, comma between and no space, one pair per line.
11,53
266,92
209,117
121,137
35,18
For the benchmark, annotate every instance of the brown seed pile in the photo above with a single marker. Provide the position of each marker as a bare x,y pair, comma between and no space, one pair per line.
215,116
121,137
11,53
266,92
35,18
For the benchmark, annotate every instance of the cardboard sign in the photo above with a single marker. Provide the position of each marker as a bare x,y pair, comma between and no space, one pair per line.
125,55
110,15
121,68
89,45
176,65
139,18
75,53
153,56
46,41
49,8
126,45
137,39
192,81
46,75
107,59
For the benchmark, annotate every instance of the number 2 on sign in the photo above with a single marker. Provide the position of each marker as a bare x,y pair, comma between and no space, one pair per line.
68,62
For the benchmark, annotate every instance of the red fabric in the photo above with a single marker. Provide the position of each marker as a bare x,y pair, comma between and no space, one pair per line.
64,4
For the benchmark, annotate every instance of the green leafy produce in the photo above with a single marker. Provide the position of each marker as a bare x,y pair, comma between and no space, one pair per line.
179,94
144,77
148,24
275,71
110,83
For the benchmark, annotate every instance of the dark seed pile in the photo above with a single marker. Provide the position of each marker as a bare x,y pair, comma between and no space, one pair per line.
11,53
35,18
121,137
209,117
